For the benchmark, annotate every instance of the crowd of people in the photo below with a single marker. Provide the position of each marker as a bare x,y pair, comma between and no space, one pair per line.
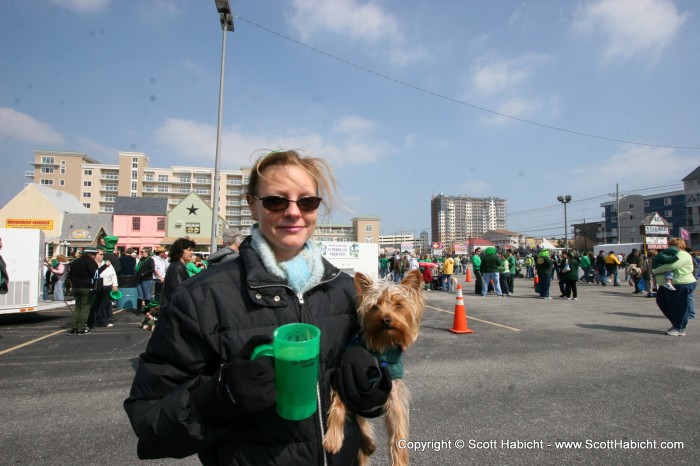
93,276
668,275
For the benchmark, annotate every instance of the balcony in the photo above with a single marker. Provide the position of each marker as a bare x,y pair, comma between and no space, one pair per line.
29,174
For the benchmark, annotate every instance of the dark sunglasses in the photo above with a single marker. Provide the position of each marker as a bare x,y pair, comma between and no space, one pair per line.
279,203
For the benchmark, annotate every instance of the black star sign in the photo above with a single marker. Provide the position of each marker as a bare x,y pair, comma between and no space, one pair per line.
192,209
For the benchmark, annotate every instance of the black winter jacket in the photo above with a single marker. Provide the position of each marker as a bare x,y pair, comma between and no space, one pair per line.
206,321
146,268
82,271
176,274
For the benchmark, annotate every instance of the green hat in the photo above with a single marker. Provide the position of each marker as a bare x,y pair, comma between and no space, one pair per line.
110,241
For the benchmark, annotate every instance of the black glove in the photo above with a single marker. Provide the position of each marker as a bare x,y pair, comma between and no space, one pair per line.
250,385
361,384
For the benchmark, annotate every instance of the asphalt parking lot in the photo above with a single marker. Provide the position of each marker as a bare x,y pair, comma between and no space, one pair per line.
534,379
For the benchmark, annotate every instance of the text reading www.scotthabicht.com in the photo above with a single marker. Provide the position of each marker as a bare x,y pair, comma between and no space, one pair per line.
588,444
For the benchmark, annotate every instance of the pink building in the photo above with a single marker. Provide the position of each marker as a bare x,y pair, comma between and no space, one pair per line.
139,222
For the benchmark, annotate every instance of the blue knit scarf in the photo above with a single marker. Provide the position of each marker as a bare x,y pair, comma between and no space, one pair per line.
301,273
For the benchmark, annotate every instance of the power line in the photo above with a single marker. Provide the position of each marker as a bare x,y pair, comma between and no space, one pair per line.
457,101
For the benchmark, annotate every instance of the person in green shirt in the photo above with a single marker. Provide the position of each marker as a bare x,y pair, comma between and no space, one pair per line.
476,267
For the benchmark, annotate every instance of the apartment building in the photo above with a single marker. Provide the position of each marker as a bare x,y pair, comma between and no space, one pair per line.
97,185
455,218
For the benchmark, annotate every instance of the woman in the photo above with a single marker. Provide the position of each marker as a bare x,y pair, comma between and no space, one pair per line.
634,269
504,274
677,305
59,271
544,267
102,301
569,274
196,391
180,255
144,272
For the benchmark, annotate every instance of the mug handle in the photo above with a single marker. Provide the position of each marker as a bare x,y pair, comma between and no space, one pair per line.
263,350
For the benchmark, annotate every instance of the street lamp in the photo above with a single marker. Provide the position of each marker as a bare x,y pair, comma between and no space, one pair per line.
565,200
226,19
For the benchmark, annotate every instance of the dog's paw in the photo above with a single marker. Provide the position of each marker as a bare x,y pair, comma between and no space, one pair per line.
368,446
332,442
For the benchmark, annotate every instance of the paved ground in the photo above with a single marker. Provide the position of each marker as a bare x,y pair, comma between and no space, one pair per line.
599,371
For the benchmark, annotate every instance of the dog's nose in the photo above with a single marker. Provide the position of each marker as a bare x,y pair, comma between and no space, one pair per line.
387,321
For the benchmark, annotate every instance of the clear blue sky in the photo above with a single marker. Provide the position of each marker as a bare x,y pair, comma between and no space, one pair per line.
402,96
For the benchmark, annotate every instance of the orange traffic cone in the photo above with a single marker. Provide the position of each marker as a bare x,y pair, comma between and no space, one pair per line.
469,277
537,280
459,324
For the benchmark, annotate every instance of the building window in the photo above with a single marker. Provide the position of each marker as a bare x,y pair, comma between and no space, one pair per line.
667,201
134,160
184,179
86,204
134,185
87,184
134,175
163,178
46,182
111,187
149,177
48,170
161,223
110,198
62,182
87,172
368,228
646,203
87,194
162,188
632,206
136,223
369,239
63,170
668,214
47,159
109,208
192,228
112,176
63,162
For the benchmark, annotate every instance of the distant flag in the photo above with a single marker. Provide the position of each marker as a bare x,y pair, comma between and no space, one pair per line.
685,234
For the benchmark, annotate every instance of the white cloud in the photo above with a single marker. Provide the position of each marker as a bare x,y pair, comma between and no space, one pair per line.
633,166
361,22
515,107
16,126
82,6
353,124
196,141
630,28
492,76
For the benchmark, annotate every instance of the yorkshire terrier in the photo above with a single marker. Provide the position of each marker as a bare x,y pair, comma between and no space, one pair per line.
389,315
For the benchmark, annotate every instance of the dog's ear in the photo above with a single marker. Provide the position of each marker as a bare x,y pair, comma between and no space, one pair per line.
413,280
362,283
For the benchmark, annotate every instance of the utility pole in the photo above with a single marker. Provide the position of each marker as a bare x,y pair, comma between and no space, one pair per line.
617,210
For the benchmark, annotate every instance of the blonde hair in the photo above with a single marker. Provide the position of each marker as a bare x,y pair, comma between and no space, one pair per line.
318,169
678,243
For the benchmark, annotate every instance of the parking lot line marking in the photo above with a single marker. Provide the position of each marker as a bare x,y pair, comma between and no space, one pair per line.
478,320
30,342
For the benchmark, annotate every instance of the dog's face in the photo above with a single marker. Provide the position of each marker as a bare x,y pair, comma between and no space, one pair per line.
390,313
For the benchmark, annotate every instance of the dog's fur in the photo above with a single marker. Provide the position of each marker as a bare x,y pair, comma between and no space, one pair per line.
390,315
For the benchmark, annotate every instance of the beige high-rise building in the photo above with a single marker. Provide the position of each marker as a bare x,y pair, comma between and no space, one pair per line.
456,218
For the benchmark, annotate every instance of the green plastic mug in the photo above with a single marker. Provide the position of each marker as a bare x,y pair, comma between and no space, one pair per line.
295,348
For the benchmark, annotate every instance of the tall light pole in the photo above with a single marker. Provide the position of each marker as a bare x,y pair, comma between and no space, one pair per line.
565,200
226,19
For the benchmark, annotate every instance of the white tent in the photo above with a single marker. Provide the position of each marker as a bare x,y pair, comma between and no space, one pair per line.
547,245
